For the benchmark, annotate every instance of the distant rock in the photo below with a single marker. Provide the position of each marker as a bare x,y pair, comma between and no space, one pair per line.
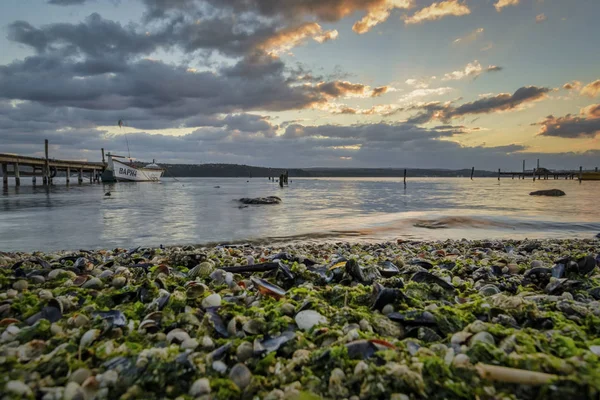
261,200
550,192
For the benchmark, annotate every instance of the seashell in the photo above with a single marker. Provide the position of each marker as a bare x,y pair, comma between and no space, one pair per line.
387,269
177,336
194,289
426,277
254,327
216,322
80,280
240,375
87,339
383,296
307,319
115,318
213,300
268,289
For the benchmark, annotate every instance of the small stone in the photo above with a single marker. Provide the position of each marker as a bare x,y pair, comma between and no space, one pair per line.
567,296
399,396
460,337
18,388
337,383
484,337
595,350
288,309
275,394
207,343
73,392
11,293
118,282
80,375
513,269
536,264
45,295
240,375
301,357
477,326
245,351
387,309
37,279
56,329
200,387
365,326
361,369
81,320
307,319
93,283
461,361
219,366
214,300
190,344
20,285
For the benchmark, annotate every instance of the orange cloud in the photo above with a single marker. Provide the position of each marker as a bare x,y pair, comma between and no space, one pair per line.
505,3
473,70
591,89
573,85
584,125
379,13
337,89
288,38
438,11
378,91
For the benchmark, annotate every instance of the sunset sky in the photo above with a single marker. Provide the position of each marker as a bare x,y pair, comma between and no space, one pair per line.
304,83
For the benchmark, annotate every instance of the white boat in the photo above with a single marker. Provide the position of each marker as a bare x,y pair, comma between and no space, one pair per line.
118,171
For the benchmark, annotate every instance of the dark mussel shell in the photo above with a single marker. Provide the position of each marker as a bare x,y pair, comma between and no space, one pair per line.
355,271
421,263
586,265
268,289
383,296
216,321
421,318
426,277
595,293
220,352
42,263
387,269
114,318
273,344
50,313
285,271
559,270
538,275
361,349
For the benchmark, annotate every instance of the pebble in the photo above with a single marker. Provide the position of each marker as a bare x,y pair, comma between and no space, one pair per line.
200,387
477,326
20,285
387,309
207,343
309,318
337,383
244,351
190,344
45,295
484,337
361,368
80,375
219,366
240,375
73,392
288,309
93,283
461,360
536,264
595,350
118,282
460,337
214,300
18,388
399,396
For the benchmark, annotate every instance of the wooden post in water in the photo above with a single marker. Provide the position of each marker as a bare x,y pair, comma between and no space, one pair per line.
46,172
523,166
68,175
404,178
102,155
534,174
472,172
80,176
596,169
498,173
17,175
33,178
281,180
580,174
4,174
91,177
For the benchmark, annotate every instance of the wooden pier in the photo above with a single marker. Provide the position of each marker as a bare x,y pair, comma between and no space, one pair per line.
48,168
540,173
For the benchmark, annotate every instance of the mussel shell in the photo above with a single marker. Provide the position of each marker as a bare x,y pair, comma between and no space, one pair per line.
355,271
268,289
216,321
383,296
586,265
273,344
49,313
421,263
220,352
420,318
559,270
115,318
387,269
426,277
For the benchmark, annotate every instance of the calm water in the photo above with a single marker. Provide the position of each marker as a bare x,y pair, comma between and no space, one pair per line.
192,211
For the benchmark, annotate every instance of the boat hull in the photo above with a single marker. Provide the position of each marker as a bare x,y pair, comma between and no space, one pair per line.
121,172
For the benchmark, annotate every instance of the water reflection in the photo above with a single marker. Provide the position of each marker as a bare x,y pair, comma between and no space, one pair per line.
194,211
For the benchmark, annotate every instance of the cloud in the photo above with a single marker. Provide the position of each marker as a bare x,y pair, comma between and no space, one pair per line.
285,39
66,2
591,89
472,70
418,83
379,14
573,85
492,104
378,91
500,4
439,10
540,18
469,38
417,93
337,89
584,125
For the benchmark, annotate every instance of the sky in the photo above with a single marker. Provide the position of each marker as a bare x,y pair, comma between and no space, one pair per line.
304,83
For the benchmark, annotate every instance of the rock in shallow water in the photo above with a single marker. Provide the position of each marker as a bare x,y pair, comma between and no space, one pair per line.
550,192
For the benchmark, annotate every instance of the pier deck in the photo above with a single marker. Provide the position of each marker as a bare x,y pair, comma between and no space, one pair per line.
48,168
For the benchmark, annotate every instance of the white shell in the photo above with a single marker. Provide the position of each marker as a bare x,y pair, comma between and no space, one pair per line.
308,318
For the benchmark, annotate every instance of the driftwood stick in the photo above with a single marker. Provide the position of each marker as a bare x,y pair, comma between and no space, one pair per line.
513,375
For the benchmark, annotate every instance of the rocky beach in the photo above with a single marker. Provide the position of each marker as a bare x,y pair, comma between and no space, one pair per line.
400,320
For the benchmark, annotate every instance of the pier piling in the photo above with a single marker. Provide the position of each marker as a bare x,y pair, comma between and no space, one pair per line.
46,172
17,175
404,178
4,174
498,173
80,176
68,175
472,172
580,174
